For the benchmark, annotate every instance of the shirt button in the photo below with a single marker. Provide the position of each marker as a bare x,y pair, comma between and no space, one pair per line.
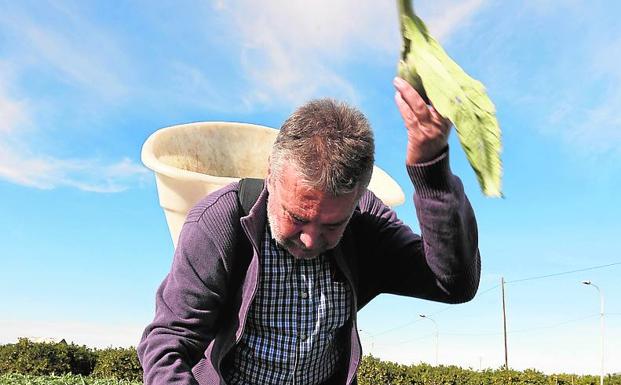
304,294
303,337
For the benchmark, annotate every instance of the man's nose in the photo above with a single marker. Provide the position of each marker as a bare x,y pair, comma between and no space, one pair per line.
310,237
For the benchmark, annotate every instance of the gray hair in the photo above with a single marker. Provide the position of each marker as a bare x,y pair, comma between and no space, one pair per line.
330,144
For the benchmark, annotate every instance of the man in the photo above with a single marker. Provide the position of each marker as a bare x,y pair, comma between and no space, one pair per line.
271,298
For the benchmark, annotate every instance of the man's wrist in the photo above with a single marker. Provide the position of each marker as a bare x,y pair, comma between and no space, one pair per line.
431,178
417,153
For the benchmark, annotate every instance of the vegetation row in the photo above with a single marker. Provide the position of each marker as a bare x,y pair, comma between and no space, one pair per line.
60,358
28,362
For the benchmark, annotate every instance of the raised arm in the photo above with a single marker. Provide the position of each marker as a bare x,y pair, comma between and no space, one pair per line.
443,262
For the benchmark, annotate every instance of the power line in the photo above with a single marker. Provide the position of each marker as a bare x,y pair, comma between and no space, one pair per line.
473,334
525,329
396,327
495,287
419,319
432,314
416,339
563,273
510,331
487,290
555,325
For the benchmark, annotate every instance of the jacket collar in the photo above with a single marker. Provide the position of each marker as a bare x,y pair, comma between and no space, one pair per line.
254,222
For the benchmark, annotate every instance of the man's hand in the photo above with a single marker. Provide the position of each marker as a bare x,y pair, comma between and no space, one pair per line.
428,131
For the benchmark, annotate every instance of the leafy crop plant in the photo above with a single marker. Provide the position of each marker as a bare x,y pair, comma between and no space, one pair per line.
455,95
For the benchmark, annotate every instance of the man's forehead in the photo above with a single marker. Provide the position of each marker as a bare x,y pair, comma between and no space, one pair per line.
311,204
293,179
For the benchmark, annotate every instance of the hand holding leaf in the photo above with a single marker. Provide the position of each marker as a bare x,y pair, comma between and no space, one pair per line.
455,95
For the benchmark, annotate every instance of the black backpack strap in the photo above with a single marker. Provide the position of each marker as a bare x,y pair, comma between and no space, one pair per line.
249,191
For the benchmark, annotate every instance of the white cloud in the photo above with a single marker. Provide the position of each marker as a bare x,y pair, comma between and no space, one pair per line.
76,64
589,121
19,165
599,130
77,52
219,4
88,60
289,52
191,86
12,113
293,50
545,7
602,126
445,17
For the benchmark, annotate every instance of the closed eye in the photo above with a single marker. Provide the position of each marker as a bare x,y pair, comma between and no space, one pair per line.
297,220
335,226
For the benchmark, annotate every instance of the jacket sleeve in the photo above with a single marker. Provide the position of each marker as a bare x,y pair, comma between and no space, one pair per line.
441,264
187,309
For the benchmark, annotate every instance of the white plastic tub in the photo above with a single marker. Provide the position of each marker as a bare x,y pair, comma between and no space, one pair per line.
192,160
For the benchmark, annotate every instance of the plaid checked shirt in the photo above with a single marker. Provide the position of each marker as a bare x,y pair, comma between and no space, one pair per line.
292,327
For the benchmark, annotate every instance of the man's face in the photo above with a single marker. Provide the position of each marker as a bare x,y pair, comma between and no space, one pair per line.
305,221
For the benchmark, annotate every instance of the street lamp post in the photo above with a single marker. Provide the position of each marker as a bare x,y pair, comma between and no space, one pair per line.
437,333
601,322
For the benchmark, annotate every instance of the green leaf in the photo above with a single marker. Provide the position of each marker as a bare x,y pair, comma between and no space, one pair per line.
455,95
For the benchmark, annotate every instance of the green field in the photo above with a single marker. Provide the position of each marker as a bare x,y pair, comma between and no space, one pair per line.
384,374
20,379
28,362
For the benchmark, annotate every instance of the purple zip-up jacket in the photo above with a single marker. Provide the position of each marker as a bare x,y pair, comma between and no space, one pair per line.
203,303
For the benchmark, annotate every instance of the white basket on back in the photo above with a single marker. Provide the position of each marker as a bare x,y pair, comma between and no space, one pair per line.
193,160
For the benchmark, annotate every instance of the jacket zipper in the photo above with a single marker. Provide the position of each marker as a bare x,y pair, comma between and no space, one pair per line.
255,285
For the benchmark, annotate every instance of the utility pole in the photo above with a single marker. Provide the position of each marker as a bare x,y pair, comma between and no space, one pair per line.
504,321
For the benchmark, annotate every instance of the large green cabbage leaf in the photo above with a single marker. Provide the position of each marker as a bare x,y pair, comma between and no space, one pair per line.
455,95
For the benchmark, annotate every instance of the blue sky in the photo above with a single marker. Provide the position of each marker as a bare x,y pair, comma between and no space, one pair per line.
82,85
